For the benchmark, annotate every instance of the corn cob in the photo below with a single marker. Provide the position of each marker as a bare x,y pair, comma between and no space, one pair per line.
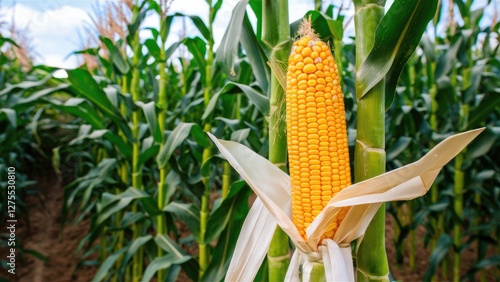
316,130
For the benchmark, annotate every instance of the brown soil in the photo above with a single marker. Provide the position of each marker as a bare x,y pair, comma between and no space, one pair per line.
403,272
45,237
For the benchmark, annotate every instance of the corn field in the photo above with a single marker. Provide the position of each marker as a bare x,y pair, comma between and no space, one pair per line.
357,143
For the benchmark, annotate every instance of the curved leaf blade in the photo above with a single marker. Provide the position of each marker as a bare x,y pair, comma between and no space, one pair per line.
397,36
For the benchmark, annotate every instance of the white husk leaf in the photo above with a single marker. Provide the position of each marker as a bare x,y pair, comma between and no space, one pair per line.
292,274
272,186
253,244
337,261
270,183
405,183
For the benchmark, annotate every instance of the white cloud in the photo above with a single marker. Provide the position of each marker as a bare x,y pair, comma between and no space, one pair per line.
54,30
56,25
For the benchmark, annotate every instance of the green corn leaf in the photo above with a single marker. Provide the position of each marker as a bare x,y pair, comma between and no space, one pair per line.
165,30
132,249
153,49
10,114
169,246
216,8
477,70
397,36
440,251
115,56
483,143
84,84
228,49
198,48
115,203
240,135
22,104
124,148
162,263
189,214
178,135
398,148
170,50
107,264
131,218
220,217
428,48
198,22
255,55
484,109
147,153
6,39
24,85
227,240
134,26
445,62
79,108
149,110
258,99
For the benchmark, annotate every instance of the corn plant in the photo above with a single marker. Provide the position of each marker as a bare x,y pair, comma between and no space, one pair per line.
397,59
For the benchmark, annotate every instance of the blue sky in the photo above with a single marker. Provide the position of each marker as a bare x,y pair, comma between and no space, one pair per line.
57,26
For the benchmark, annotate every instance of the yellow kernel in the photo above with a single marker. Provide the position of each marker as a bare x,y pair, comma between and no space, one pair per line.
306,51
309,68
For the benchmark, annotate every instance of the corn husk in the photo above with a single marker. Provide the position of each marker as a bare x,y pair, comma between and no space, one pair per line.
272,187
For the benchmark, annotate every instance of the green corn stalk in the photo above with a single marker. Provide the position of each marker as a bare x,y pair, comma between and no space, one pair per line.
369,155
204,256
412,248
276,36
162,120
227,170
123,173
136,119
438,223
459,177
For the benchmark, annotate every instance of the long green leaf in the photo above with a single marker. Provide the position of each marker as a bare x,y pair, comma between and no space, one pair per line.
228,48
162,263
149,110
116,56
227,240
220,217
132,249
258,99
178,135
197,47
85,85
24,85
255,55
107,264
188,214
10,114
443,245
397,36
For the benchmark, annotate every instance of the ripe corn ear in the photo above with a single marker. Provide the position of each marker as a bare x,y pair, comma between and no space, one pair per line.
316,130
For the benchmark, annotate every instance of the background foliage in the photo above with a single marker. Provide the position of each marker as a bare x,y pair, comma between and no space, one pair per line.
134,115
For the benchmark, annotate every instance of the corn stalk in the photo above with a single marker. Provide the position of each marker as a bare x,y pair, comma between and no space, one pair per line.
370,143
204,256
276,36
136,120
162,122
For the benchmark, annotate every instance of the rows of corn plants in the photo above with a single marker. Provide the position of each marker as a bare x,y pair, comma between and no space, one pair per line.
451,85
161,198
26,136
